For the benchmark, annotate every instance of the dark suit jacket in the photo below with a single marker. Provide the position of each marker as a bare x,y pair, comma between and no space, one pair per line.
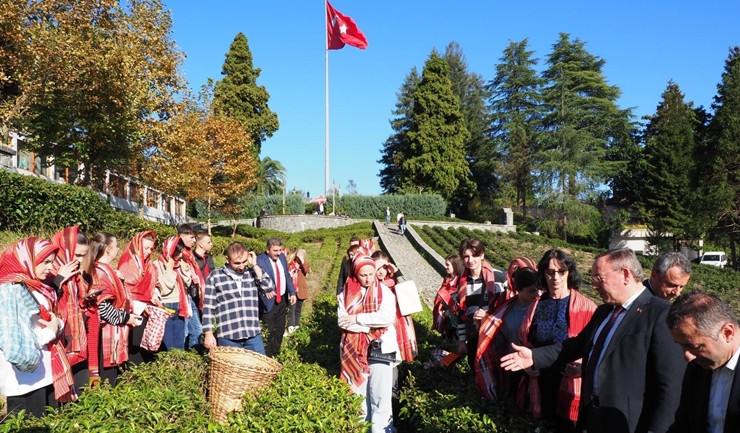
639,389
265,262
691,416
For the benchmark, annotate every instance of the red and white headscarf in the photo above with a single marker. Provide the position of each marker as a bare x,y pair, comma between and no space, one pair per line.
169,246
139,273
18,265
73,292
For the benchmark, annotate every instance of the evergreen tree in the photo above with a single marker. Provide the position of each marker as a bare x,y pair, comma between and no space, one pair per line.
582,121
724,138
396,147
669,151
437,135
470,89
237,95
516,108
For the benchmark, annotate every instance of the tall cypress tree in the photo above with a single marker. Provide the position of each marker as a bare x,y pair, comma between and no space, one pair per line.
237,95
669,152
396,147
437,135
516,107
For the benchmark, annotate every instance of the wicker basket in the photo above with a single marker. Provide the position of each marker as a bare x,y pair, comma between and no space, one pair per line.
234,372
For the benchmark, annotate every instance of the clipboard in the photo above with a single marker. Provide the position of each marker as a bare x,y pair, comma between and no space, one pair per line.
407,297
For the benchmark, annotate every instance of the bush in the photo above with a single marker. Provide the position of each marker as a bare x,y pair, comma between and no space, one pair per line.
415,205
32,205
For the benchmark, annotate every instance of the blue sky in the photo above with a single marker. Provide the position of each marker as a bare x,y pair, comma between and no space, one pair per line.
644,43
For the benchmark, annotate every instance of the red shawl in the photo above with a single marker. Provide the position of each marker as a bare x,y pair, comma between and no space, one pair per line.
489,377
73,291
580,310
139,273
404,326
444,302
114,337
168,249
197,275
462,285
18,265
354,346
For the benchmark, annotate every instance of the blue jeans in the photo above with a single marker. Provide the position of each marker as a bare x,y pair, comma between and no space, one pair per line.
174,329
254,344
193,328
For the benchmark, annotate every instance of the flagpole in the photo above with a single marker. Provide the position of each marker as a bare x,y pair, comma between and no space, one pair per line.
326,102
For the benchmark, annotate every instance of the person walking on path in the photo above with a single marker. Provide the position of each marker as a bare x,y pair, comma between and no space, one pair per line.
387,215
274,304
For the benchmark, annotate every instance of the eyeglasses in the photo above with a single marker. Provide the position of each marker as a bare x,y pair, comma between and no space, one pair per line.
598,279
552,272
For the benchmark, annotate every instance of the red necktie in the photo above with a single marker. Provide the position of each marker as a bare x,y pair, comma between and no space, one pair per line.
596,353
277,282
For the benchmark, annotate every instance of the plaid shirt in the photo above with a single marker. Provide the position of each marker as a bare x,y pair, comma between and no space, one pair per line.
231,299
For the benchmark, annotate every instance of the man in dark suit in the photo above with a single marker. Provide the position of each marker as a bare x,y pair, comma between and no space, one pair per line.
630,373
671,273
707,330
274,305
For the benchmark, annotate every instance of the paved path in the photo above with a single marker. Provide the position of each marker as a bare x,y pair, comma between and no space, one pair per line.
409,261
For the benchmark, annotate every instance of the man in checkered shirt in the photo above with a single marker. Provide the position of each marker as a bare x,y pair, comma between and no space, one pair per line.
231,301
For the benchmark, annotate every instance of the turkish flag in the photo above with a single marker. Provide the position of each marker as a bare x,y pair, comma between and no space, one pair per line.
342,30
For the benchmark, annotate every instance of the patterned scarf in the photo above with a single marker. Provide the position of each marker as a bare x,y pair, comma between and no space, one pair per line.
580,310
114,337
489,377
515,265
18,265
168,250
139,273
404,325
354,346
443,302
489,279
73,289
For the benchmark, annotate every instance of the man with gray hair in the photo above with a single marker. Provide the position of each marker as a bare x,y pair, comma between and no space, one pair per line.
630,365
670,274
708,332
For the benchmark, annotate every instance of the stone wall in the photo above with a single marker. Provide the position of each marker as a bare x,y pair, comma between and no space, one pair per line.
472,226
299,223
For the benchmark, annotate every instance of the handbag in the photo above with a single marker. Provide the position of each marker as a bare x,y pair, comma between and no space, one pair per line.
375,353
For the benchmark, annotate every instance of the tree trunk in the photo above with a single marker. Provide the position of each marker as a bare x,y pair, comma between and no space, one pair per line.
209,215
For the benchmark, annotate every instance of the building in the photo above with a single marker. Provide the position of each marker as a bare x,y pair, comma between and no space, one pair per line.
123,192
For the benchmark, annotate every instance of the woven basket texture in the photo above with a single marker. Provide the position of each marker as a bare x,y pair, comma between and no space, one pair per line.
234,372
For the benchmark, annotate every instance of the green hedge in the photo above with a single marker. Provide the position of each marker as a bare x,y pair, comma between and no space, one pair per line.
415,205
30,204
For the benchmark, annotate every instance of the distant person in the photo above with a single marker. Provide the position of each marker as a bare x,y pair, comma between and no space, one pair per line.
444,311
346,268
402,223
387,215
708,332
321,208
299,268
671,273
231,304
630,366
275,303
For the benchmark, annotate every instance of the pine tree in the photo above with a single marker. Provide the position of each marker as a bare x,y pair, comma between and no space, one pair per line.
669,152
396,146
582,122
237,95
516,108
437,135
470,88
724,138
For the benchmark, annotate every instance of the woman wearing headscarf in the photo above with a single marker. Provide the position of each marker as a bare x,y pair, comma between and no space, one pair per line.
298,269
561,312
500,327
368,349
110,313
444,311
172,283
405,332
71,288
34,369
140,278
